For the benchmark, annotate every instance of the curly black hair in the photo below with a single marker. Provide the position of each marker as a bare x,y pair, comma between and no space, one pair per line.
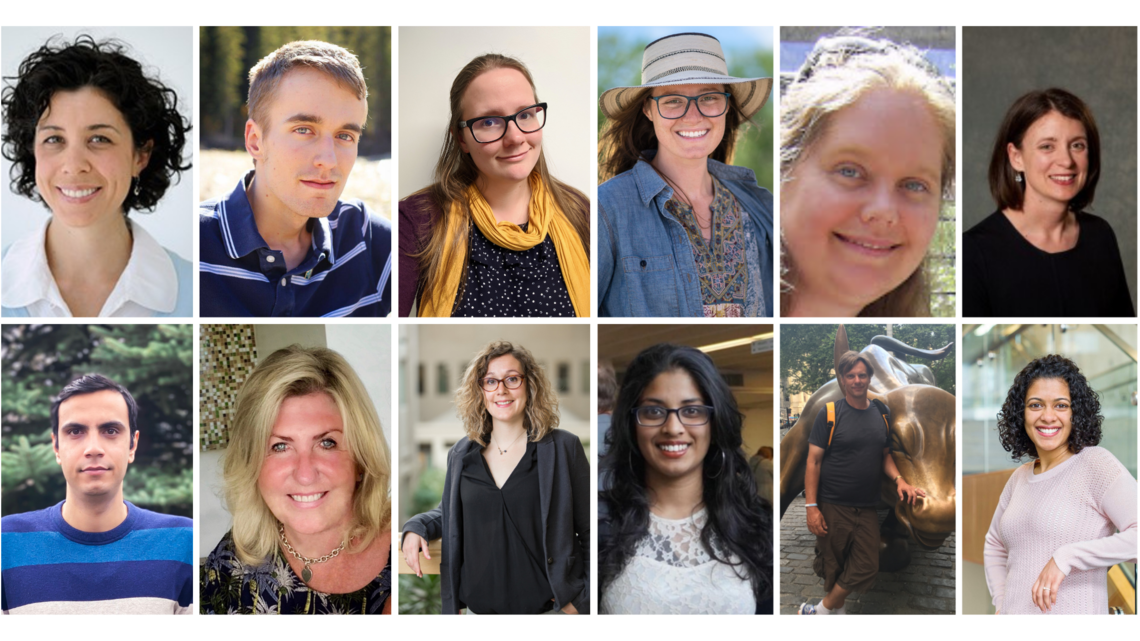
739,521
1085,403
147,105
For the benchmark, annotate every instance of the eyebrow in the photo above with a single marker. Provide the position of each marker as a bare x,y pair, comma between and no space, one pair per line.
318,437
661,402
102,426
1038,398
515,112
94,127
506,373
317,120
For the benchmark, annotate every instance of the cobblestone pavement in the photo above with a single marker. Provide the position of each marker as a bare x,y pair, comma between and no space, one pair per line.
926,586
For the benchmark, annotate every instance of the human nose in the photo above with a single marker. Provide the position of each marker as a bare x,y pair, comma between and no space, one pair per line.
692,112
325,153
673,424
881,206
92,446
513,135
75,160
305,472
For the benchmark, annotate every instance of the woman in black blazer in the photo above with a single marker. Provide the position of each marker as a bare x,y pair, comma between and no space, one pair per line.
523,546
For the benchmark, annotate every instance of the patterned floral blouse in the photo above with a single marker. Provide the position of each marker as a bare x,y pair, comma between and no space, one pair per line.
727,261
228,586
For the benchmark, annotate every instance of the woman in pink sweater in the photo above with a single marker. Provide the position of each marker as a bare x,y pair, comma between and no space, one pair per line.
1070,514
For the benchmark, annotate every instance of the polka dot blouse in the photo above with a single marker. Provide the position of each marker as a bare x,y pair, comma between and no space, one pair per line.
505,283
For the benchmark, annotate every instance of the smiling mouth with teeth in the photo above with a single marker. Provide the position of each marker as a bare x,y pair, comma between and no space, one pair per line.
880,246
673,447
78,193
306,498
692,134
1048,431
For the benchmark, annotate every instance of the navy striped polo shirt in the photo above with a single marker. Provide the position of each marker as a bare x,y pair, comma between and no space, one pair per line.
346,273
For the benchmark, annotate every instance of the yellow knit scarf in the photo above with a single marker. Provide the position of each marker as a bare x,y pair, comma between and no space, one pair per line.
545,218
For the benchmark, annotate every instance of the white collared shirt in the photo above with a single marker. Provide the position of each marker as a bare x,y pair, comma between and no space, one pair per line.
148,285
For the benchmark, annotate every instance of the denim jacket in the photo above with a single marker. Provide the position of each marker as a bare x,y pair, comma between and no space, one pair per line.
645,262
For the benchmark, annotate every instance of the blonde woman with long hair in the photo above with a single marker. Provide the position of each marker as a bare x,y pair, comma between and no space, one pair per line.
515,513
495,234
866,161
307,478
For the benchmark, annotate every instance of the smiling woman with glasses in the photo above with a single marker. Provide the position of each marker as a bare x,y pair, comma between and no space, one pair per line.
496,234
515,513
682,529
687,234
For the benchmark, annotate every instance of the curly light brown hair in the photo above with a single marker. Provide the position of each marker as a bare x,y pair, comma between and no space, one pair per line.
541,416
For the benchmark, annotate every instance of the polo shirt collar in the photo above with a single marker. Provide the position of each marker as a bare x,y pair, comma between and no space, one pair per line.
239,229
149,279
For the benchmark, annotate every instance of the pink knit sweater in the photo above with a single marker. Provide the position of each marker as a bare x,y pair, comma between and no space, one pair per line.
1070,513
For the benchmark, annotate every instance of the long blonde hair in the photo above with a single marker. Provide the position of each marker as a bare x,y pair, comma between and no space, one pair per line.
541,413
455,172
300,371
840,71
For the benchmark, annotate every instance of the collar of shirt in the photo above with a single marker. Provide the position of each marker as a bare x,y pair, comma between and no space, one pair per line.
149,280
239,229
650,183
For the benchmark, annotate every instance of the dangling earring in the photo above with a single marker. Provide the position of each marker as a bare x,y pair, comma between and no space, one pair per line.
1018,178
138,184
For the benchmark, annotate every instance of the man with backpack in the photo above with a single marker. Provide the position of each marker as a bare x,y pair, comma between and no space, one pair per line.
848,452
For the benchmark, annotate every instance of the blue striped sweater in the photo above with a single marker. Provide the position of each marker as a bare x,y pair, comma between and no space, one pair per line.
144,566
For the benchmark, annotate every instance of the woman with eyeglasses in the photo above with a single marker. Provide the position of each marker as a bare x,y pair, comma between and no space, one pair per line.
684,232
515,513
496,234
681,529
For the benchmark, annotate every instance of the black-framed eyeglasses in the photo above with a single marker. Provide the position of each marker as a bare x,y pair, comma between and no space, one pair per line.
656,416
514,381
491,128
710,105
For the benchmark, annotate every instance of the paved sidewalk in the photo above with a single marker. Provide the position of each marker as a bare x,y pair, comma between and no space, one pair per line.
926,586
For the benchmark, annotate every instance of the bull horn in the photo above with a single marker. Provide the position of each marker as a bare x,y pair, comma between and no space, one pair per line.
840,346
899,348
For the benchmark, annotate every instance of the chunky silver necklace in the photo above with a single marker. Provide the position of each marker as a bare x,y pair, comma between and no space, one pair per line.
503,450
306,573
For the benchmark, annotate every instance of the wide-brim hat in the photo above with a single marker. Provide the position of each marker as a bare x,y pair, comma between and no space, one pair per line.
688,59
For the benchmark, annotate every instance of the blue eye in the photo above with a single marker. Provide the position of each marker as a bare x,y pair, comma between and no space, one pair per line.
278,447
915,186
328,444
848,172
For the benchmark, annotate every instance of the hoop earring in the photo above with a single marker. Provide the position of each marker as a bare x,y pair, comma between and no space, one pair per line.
138,184
723,463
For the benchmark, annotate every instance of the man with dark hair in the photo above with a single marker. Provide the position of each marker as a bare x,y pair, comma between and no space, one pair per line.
94,553
282,243
847,455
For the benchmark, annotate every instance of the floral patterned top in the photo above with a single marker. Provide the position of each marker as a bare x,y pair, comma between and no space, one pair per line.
228,586
728,279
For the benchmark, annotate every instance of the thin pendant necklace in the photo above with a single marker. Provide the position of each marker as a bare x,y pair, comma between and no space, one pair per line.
306,573
503,450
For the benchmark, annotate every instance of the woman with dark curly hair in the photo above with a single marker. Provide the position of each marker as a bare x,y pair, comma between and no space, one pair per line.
92,137
1068,515
515,514
683,530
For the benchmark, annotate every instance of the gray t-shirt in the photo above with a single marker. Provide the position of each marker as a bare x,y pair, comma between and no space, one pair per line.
852,469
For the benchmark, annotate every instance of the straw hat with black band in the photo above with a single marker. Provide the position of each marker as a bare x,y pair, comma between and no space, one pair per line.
688,59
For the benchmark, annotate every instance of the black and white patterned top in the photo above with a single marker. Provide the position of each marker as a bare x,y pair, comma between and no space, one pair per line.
505,283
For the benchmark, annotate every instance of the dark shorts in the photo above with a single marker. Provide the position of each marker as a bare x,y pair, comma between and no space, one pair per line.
849,554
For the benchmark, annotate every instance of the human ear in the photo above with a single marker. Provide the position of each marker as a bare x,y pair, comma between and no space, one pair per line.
55,447
1014,157
142,156
253,137
134,447
458,133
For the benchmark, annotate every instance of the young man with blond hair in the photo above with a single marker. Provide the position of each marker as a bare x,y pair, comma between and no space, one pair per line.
282,243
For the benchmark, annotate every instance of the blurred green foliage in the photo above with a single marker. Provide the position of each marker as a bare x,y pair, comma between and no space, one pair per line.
807,356
226,54
619,65
940,263
420,595
154,362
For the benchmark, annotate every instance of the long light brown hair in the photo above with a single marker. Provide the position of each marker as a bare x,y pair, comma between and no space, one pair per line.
842,71
630,132
455,172
541,412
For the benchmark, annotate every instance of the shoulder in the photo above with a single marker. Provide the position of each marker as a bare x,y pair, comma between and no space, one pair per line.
147,519
419,208
622,183
184,269
37,521
1096,227
208,211
563,439
1098,457
356,214
991,227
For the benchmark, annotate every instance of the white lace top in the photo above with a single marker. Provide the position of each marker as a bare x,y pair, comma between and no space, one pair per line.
671,573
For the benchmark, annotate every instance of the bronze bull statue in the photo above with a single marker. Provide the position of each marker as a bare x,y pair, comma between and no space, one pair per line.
922,428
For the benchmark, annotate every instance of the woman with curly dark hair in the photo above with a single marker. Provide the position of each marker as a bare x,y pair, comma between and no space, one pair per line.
683,530
92,137
1069,514
515,514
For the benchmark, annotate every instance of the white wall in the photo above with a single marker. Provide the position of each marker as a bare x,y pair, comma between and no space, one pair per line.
559,62
165,50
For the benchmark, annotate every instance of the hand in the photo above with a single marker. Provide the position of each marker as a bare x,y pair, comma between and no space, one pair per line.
908,493
1046,586
569,609
413,545
816,524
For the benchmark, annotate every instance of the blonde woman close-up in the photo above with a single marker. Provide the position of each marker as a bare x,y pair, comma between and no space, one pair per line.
307,479
514,518
866,162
